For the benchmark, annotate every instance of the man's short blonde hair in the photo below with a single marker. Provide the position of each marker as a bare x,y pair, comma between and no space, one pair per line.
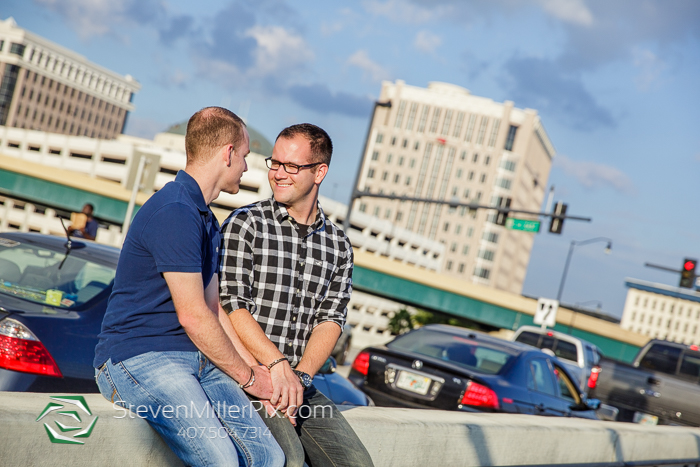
208,130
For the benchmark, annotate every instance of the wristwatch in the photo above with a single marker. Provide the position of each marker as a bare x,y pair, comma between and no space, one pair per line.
305,378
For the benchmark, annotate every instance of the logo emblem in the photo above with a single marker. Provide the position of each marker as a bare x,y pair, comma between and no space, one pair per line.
417,364
67,420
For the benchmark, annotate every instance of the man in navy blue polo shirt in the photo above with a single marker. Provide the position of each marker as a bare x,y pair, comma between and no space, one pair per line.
166,350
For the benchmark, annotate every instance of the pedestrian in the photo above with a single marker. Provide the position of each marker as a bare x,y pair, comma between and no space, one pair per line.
164,351
286,279
85,225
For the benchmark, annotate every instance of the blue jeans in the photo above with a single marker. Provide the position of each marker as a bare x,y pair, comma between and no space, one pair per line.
200,412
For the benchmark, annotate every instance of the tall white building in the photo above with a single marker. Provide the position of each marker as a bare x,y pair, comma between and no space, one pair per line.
46,87
662,311
444,143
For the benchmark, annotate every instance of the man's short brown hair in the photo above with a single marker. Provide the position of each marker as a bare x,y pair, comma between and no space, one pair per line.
210,129
320,142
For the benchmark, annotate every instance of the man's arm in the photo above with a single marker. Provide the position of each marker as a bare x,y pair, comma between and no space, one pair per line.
319,348
202,326
287,389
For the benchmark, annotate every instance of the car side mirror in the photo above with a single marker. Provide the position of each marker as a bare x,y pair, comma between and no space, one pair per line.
328,367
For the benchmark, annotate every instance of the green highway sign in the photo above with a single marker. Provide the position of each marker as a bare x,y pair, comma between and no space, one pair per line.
523,224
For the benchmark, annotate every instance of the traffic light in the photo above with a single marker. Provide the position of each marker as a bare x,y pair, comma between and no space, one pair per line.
557,222
688,273
502,216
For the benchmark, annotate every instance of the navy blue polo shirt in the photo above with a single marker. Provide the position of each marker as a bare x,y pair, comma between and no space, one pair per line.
174,231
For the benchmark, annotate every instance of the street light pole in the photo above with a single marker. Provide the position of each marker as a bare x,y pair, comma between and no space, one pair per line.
571,251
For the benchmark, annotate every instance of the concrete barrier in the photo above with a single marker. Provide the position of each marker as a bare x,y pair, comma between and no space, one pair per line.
394,437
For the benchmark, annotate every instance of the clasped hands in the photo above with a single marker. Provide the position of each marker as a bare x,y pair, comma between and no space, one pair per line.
278,389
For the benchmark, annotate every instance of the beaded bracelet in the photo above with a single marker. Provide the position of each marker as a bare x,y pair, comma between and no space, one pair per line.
269,367
250,382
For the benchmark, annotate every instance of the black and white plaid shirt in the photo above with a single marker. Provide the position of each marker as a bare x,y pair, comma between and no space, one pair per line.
289,276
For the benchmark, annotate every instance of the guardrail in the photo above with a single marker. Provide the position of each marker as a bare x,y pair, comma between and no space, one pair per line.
393,437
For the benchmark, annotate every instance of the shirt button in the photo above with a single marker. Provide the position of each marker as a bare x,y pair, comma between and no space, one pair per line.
298,290
294,318
301,264
290,344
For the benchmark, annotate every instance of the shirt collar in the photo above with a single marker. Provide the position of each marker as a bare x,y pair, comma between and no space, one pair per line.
281,214
193,190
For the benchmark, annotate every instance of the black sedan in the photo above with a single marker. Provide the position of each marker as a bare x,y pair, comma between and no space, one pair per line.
451,368
53,296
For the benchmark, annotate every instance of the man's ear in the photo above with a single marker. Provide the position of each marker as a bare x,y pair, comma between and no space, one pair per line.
227,154
321,172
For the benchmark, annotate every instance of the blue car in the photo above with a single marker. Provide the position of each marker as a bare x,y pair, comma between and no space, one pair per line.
53,296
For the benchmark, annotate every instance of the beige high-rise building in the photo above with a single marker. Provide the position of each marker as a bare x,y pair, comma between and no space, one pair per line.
444,143
46,87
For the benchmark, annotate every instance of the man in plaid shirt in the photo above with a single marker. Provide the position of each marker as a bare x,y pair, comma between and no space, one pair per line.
286,279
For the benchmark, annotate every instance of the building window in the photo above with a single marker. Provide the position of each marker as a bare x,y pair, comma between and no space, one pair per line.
446,227
466,192
463,155
408,181
380,138
458,229
399,114
18,49
363,207
385,175
482,272
510,139
482,130
411,116
449,265
405,143
483,178
475,158
504,183
388,158
487,159
453,247
465,250
399,215
459,173
416,146
460,269
470,128
370,173
434,123
458,125
393,140
375,155
486,254
397,177
494,132
471,175
508,165
470,232
387,214
423,118
490,237
447,122
412,164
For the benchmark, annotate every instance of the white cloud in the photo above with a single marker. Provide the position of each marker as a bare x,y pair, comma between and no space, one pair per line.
375,71
650,68
427,42
278,51
571,11
402,11
592,175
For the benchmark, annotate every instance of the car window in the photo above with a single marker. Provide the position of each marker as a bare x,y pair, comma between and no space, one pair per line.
661,358
590,355
566,350
690,366
542,376
529,338
50,277
454,349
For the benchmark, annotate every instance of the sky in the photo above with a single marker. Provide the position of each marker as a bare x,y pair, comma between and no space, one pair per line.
616,85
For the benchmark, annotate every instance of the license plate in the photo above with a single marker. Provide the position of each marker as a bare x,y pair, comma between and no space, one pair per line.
645,419
413,382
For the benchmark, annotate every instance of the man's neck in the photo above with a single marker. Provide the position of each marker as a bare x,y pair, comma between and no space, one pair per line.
209,191
305,215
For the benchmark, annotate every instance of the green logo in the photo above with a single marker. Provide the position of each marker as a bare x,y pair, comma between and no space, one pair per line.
67,419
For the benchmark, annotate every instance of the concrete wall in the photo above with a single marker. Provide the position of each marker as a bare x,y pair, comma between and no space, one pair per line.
394,437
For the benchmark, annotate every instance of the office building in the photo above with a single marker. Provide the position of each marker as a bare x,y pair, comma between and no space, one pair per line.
443,143
46,87
662,311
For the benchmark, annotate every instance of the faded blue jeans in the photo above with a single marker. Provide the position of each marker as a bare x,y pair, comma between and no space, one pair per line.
200,412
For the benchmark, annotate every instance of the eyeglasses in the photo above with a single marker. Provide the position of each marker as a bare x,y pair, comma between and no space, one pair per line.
288,167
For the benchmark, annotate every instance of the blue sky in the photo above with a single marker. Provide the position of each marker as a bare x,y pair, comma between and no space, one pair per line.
616,85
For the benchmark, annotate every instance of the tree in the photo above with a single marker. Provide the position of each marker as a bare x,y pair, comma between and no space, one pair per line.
401,322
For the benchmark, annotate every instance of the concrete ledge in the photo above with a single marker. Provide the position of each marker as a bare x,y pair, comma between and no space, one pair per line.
394,437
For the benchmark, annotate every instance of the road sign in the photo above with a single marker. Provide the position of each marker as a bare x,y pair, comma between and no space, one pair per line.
522,224
546,313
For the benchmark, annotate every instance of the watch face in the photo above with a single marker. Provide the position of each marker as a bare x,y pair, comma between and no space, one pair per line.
304,378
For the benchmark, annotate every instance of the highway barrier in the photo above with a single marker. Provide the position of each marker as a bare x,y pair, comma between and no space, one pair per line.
56,429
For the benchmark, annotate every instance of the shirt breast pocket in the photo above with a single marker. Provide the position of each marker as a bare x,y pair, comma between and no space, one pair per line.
323,270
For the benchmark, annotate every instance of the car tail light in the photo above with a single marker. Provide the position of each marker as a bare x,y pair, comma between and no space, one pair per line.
20,350
361,363
593,379
480,396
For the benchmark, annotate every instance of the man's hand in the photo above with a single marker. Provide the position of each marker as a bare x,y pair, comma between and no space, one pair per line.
262,387
286,388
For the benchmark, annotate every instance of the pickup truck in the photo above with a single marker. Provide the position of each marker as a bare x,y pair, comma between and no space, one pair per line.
659,387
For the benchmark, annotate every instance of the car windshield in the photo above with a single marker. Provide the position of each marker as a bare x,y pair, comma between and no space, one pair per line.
462,351
50,277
